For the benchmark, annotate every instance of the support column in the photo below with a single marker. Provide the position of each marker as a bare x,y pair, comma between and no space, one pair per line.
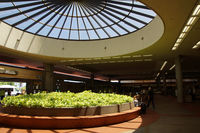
164,85
29,87
119,91
92,85
48,77
110,86
179,79
158,83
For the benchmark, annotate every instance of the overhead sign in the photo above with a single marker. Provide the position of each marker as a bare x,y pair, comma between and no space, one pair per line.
5,71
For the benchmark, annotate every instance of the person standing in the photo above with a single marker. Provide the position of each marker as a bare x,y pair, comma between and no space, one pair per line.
150,98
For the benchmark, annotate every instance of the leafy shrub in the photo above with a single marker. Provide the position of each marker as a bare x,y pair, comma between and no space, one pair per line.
67,99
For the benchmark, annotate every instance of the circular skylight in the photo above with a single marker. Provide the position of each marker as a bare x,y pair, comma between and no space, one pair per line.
76,19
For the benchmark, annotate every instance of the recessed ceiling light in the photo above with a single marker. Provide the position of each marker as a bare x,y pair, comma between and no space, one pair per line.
197,45
157,74
126,56
179,40
172,67
139,60
182,35
191,20
174,48
137,56
186,28
176,44
163,65
196,11
147,55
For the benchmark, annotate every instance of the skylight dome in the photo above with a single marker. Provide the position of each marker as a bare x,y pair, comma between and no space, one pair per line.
76,19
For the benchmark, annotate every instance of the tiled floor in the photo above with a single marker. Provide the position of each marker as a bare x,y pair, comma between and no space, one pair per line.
168,117
116,128
174,117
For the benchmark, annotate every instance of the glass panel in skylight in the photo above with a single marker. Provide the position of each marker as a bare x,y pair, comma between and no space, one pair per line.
7,13
74,35
145,11
55,32
111,32
88,25
138,3
34,28
60,22
15,19
119,29
100,21
102,33
74,24
64,34
115,15
136,23
25,24
45,31
2,5
92,34
93,22
83,35
81,24
145,19
126,26
68,23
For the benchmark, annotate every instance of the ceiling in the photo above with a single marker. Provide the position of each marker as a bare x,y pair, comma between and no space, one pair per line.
143,64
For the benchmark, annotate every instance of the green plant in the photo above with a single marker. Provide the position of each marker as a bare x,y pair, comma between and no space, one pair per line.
68,99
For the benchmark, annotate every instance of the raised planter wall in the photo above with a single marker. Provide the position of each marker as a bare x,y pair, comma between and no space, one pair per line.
47,122
86,111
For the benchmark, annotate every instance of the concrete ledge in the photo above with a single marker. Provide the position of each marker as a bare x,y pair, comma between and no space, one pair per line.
43,122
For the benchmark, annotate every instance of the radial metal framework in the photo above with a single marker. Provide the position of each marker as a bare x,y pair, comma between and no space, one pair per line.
76,19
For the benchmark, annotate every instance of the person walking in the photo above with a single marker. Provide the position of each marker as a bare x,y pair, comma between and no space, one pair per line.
150,98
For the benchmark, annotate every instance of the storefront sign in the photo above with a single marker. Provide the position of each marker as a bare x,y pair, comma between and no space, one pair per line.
5,71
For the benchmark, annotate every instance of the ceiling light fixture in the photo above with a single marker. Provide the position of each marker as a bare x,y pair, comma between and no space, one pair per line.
196,46
186,28
176,44
139,60
157,74
179,40
172,67
147,55
126,56
164,64
196,11
182,35
191,21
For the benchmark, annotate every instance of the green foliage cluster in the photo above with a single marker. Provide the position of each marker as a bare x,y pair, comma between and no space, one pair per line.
6,83
68,99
